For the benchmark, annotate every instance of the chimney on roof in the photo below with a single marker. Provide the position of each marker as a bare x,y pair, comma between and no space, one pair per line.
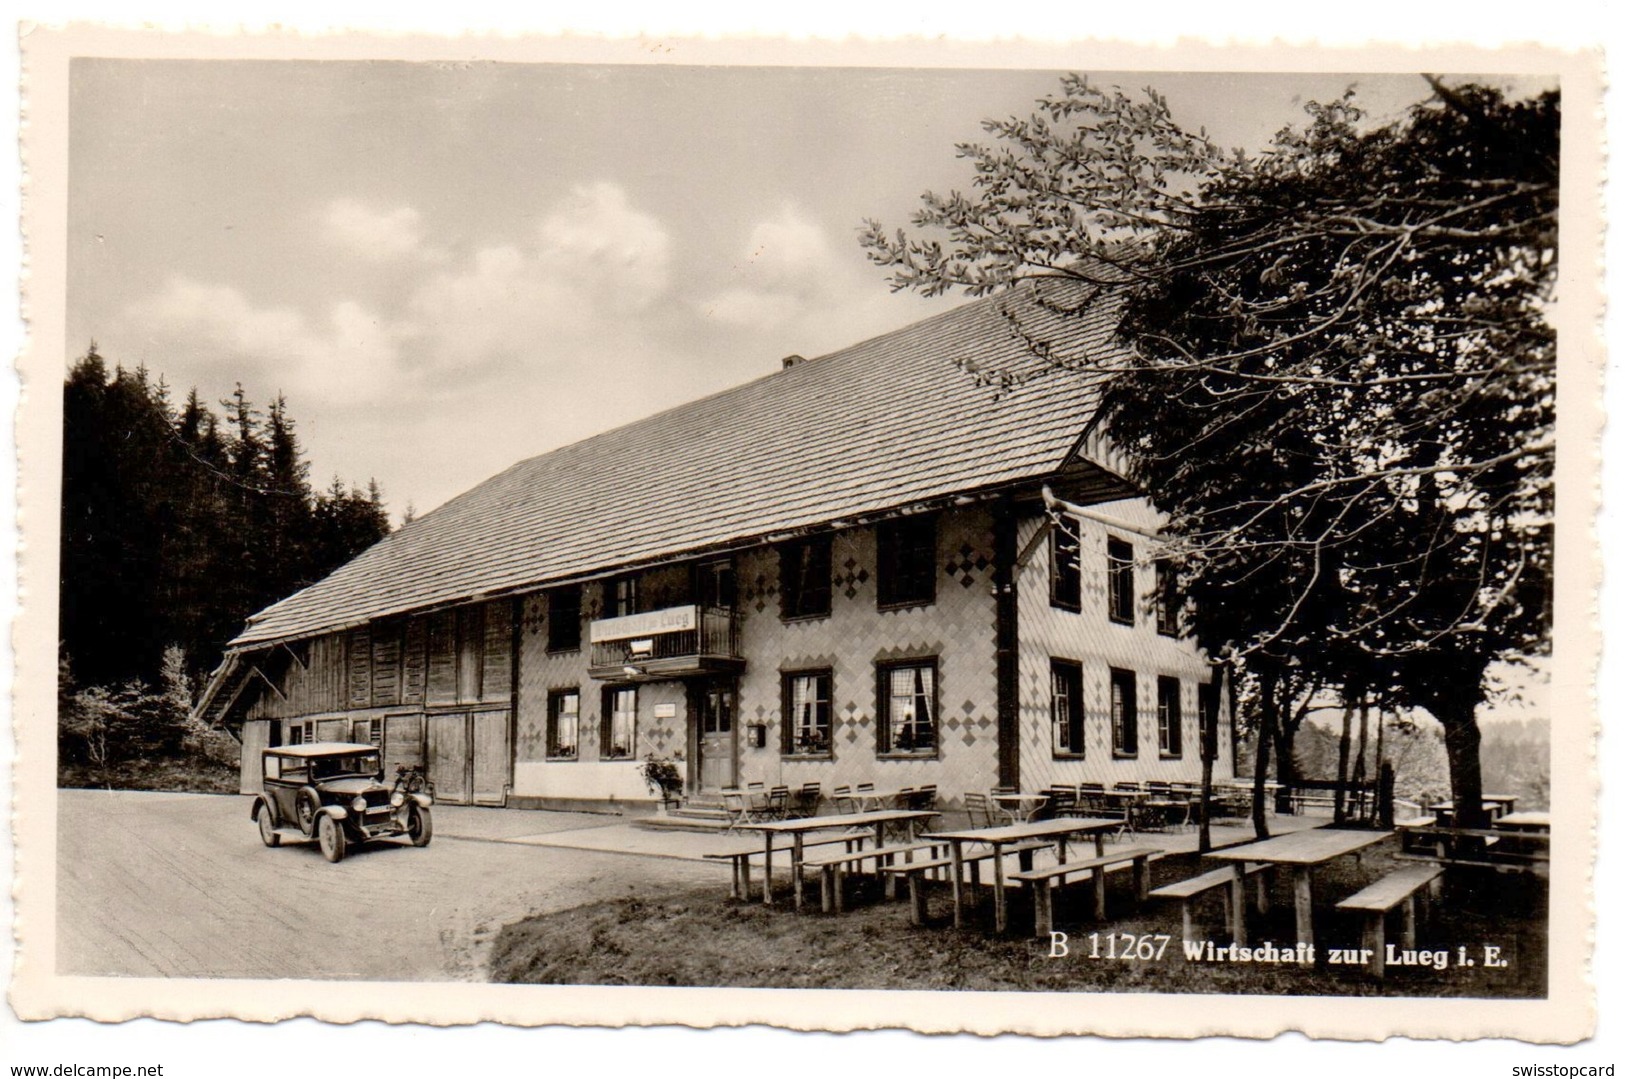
793,359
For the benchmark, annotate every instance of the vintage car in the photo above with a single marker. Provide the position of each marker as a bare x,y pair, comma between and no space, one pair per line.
334,792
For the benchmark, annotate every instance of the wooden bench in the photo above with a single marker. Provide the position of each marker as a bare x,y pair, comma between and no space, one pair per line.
1188,891
1483,848
740,859
1375,901
914,872
1042,882
832,868
1410,827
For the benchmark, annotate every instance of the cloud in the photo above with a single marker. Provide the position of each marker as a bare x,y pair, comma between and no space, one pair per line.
794,289
787,273
379,236
594,258
583,277
348,351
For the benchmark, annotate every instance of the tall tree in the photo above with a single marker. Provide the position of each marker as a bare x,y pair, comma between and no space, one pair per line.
1342,376
175,529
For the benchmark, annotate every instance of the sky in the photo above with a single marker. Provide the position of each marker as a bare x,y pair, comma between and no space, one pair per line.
448,267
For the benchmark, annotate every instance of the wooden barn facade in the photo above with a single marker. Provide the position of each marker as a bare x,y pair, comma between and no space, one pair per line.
880,565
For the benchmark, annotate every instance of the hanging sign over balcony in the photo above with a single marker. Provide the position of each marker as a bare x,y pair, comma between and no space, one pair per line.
646,624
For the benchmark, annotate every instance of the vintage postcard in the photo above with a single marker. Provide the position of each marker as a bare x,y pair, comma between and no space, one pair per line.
837,537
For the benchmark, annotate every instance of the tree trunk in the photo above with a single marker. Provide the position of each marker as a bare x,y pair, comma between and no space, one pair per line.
1209,738
1287,721
1268,718
1360,771
1286,764
1343,761
1461,740
1382,760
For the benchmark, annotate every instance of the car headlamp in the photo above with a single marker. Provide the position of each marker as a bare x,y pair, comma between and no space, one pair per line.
397,799
359,804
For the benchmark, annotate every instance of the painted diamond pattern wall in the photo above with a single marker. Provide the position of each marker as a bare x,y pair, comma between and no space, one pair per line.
1091,638
957,630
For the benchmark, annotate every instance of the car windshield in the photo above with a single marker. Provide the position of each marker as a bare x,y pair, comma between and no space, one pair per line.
351,764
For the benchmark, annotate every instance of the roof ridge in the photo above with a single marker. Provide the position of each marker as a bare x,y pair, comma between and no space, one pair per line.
883,422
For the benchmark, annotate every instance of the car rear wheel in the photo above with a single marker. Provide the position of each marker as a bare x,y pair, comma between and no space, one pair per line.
330,833
419,826
268,834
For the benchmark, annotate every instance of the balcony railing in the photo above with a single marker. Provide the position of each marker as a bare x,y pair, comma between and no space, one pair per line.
691,639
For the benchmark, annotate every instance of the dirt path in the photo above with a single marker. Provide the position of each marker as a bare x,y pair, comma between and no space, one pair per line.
179,885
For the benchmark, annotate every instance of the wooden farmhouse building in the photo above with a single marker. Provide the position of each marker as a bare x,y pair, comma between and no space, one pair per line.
907,562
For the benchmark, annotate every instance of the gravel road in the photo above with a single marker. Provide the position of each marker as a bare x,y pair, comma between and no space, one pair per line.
179,885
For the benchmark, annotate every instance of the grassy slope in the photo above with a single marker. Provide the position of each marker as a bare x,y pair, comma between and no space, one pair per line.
698,938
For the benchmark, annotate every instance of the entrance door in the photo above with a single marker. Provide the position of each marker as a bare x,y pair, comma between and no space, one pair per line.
448,758
715,703
490,739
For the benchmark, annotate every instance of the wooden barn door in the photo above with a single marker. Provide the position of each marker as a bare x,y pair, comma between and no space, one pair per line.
489,736
256,739
403,743
449,757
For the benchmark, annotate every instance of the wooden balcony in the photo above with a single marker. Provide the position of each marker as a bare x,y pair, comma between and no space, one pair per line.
668,643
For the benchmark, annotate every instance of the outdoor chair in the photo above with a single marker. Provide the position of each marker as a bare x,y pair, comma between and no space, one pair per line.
1063,801
1092,797
738,810
904,798
979,809
778,803
844,802
925,798
998,815
805,803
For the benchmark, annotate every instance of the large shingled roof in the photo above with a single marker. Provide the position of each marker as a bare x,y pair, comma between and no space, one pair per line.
894,421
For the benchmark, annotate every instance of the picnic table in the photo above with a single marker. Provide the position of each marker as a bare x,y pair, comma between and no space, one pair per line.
1303,851
1023,804
1528,821
797,829
1496,805
872,799
1058,831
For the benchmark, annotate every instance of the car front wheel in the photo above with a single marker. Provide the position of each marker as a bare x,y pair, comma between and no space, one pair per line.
307,803
419,826
331,836
268,834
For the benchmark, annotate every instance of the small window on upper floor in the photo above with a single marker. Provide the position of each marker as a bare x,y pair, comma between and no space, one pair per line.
1170,718
621,596
1207,719
1066,707
1065,570
1167,598
907,561
1125,714
1120,581
804,578
564,618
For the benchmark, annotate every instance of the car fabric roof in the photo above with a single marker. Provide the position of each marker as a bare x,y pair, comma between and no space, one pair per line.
950,404
321,749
